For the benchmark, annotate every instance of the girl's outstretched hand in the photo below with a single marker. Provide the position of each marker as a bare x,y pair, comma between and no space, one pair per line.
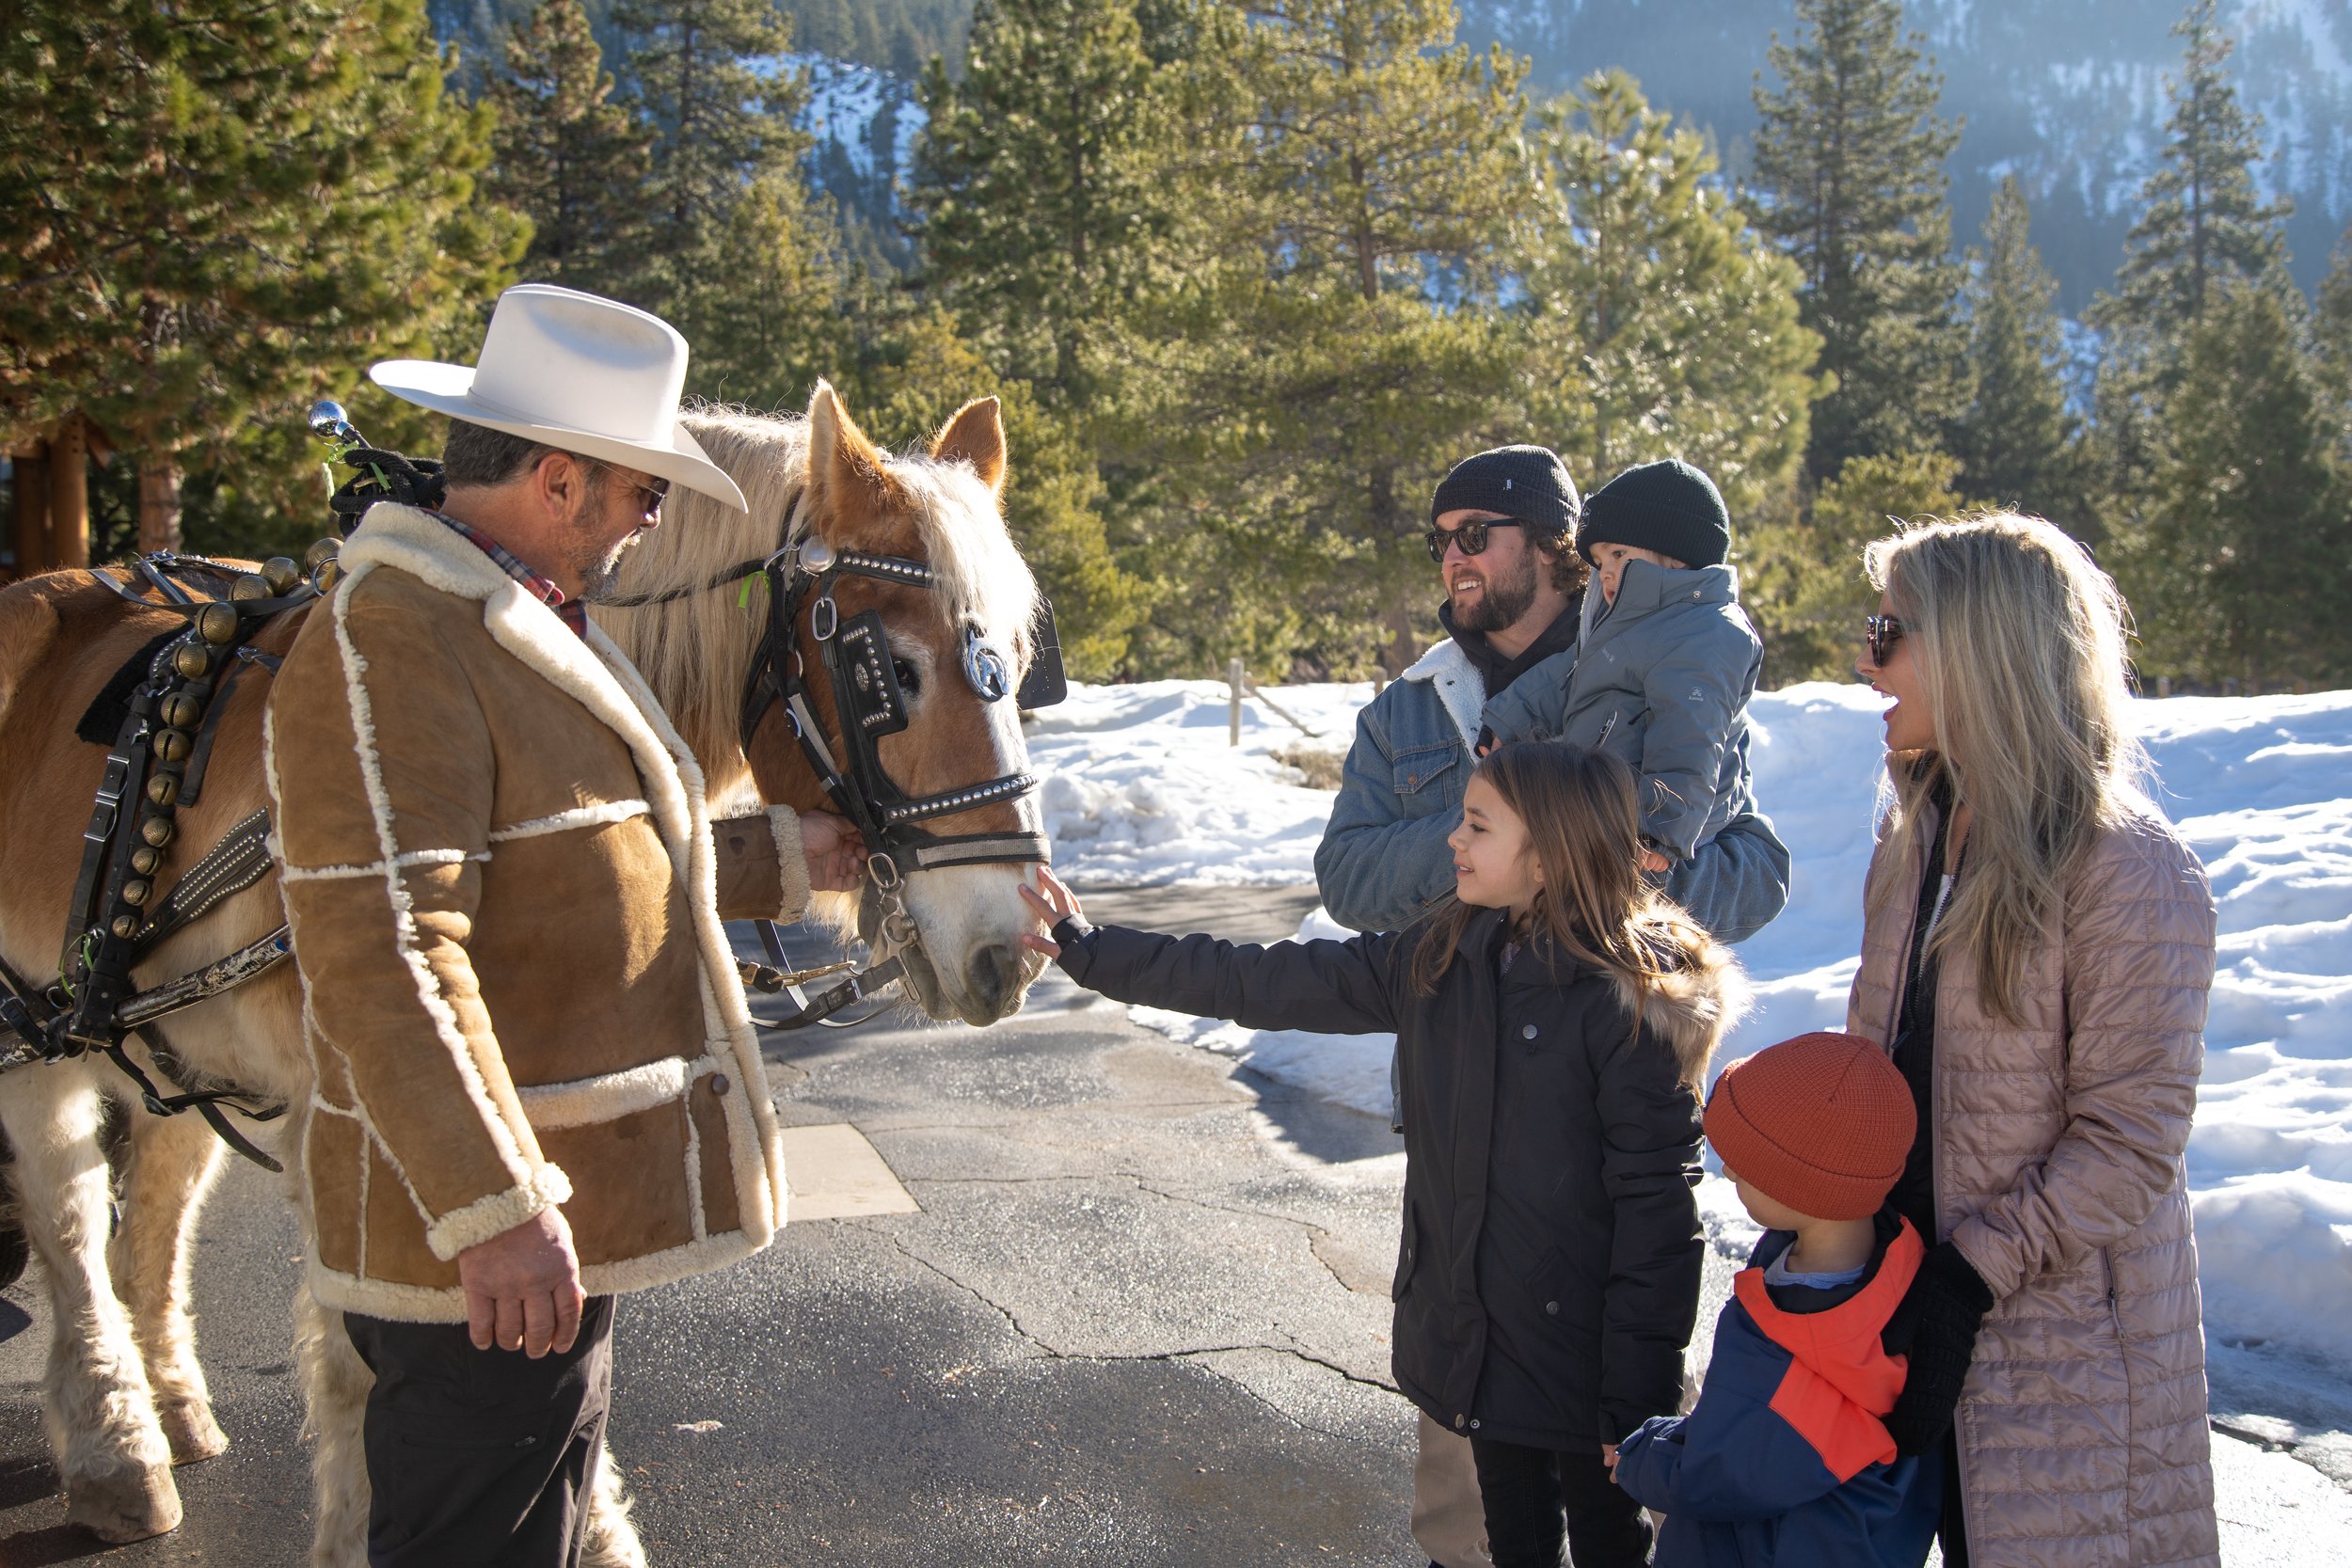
1054,903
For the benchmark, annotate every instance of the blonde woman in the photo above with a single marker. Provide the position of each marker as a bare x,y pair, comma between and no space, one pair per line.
2037,951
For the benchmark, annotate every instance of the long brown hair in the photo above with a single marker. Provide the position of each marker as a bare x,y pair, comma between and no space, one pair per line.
1584,823
2019,639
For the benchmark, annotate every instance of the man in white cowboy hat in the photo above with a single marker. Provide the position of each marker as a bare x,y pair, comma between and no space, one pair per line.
537,1082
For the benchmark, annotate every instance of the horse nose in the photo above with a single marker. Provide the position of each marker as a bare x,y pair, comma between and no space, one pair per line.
995,977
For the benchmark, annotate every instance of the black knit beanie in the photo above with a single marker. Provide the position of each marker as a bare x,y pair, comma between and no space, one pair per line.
1527,483
1668,506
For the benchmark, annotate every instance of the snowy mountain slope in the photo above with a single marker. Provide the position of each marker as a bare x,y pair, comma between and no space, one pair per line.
2067,94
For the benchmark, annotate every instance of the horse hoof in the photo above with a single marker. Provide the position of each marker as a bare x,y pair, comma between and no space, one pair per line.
126,1505
192,1431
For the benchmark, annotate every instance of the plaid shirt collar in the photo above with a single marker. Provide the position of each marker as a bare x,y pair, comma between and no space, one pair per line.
571,614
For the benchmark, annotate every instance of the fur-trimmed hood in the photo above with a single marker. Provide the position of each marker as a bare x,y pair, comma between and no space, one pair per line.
1693,1007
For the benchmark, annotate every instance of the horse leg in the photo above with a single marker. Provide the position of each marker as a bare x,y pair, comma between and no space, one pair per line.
335,1385
173,1163
612,1540
95,1400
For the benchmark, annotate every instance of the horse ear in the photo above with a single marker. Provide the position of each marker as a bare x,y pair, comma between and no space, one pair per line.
976,436
842,462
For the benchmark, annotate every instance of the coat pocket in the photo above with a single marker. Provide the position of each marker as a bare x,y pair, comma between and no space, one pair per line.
1408,1248
606,1097
1425,770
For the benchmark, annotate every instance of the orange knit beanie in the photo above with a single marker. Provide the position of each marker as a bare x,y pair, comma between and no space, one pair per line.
1821,1123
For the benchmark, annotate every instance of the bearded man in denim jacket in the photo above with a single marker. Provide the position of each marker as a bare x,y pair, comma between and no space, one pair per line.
1501,527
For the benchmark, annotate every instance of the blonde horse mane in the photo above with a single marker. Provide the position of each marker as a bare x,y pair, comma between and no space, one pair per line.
678,646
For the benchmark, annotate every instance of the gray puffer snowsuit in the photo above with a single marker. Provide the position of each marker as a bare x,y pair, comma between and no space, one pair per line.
1661,679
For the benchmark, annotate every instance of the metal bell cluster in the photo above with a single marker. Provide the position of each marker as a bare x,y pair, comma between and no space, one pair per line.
189,682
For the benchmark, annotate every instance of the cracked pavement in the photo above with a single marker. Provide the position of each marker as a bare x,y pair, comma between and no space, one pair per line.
1140,1319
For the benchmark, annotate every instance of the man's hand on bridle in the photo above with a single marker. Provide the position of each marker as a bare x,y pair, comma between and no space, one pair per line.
835,854
522,1288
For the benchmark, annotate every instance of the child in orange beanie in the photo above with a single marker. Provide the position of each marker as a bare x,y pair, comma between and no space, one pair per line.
1787,1458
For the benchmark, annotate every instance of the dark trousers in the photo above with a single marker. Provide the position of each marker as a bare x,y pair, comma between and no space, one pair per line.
481,1456
1527,1491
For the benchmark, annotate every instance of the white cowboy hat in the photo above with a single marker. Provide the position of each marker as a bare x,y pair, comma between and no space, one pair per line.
577,373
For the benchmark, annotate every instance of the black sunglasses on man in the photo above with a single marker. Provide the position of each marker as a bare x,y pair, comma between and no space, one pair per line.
1471,537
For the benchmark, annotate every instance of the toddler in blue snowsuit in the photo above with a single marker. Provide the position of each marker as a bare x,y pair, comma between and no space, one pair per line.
1786,1461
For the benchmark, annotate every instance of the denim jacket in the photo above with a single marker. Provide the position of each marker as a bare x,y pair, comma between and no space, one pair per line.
1383,855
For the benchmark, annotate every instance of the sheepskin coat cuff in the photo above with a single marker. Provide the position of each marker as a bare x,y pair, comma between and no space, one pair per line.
763,870
485,1218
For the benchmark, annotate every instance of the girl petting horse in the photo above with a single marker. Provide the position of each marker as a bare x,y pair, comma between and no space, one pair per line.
1554,1018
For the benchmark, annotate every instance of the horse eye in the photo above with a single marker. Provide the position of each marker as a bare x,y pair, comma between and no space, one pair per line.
910,681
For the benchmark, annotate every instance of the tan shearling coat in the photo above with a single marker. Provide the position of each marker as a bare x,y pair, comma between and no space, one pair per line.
517,994
2059,1175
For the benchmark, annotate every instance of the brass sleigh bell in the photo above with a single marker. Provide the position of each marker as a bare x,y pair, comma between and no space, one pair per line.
163,789
218,622
281,572
156,830
250,586
174,745
192,660
126,927
320,552
183,711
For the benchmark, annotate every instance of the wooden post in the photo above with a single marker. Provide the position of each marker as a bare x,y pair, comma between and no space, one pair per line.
69,493
1233,678
2164,686
32,514
159,503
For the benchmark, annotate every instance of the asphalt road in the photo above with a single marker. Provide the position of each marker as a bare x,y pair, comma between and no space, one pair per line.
1140,1318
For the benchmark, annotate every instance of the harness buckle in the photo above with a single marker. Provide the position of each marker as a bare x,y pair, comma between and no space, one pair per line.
884,871
824,618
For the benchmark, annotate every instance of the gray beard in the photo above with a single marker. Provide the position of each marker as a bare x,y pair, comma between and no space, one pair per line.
597,573
1505,600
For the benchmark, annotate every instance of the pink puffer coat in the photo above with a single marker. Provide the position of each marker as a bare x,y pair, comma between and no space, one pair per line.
2058,1173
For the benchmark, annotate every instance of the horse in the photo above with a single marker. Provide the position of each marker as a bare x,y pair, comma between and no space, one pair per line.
124,1396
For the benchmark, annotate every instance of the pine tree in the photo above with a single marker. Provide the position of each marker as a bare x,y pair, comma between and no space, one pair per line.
2240,571
2015,441
2331,341
569,157
2203,221
1803,580
224,209
1038,194
1848,162
706,75
1326,343
1662,324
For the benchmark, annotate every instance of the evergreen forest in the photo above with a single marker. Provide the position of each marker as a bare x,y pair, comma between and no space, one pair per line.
1246,276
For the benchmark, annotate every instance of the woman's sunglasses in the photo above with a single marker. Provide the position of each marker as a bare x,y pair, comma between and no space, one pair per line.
1880,633
1471,536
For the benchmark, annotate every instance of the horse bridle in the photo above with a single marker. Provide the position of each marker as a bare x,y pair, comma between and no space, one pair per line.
870,703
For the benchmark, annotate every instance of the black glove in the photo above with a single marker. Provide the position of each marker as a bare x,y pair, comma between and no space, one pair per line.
1936,1327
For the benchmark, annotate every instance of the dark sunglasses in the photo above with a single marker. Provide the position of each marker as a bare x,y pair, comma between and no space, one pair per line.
1880,633
1471,536
653,491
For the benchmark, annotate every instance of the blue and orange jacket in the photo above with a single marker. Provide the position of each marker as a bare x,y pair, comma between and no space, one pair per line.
1785,1459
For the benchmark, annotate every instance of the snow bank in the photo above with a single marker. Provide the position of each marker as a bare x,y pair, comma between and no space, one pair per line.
1142,788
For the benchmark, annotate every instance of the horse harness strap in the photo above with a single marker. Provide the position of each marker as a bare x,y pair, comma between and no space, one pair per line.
155,763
